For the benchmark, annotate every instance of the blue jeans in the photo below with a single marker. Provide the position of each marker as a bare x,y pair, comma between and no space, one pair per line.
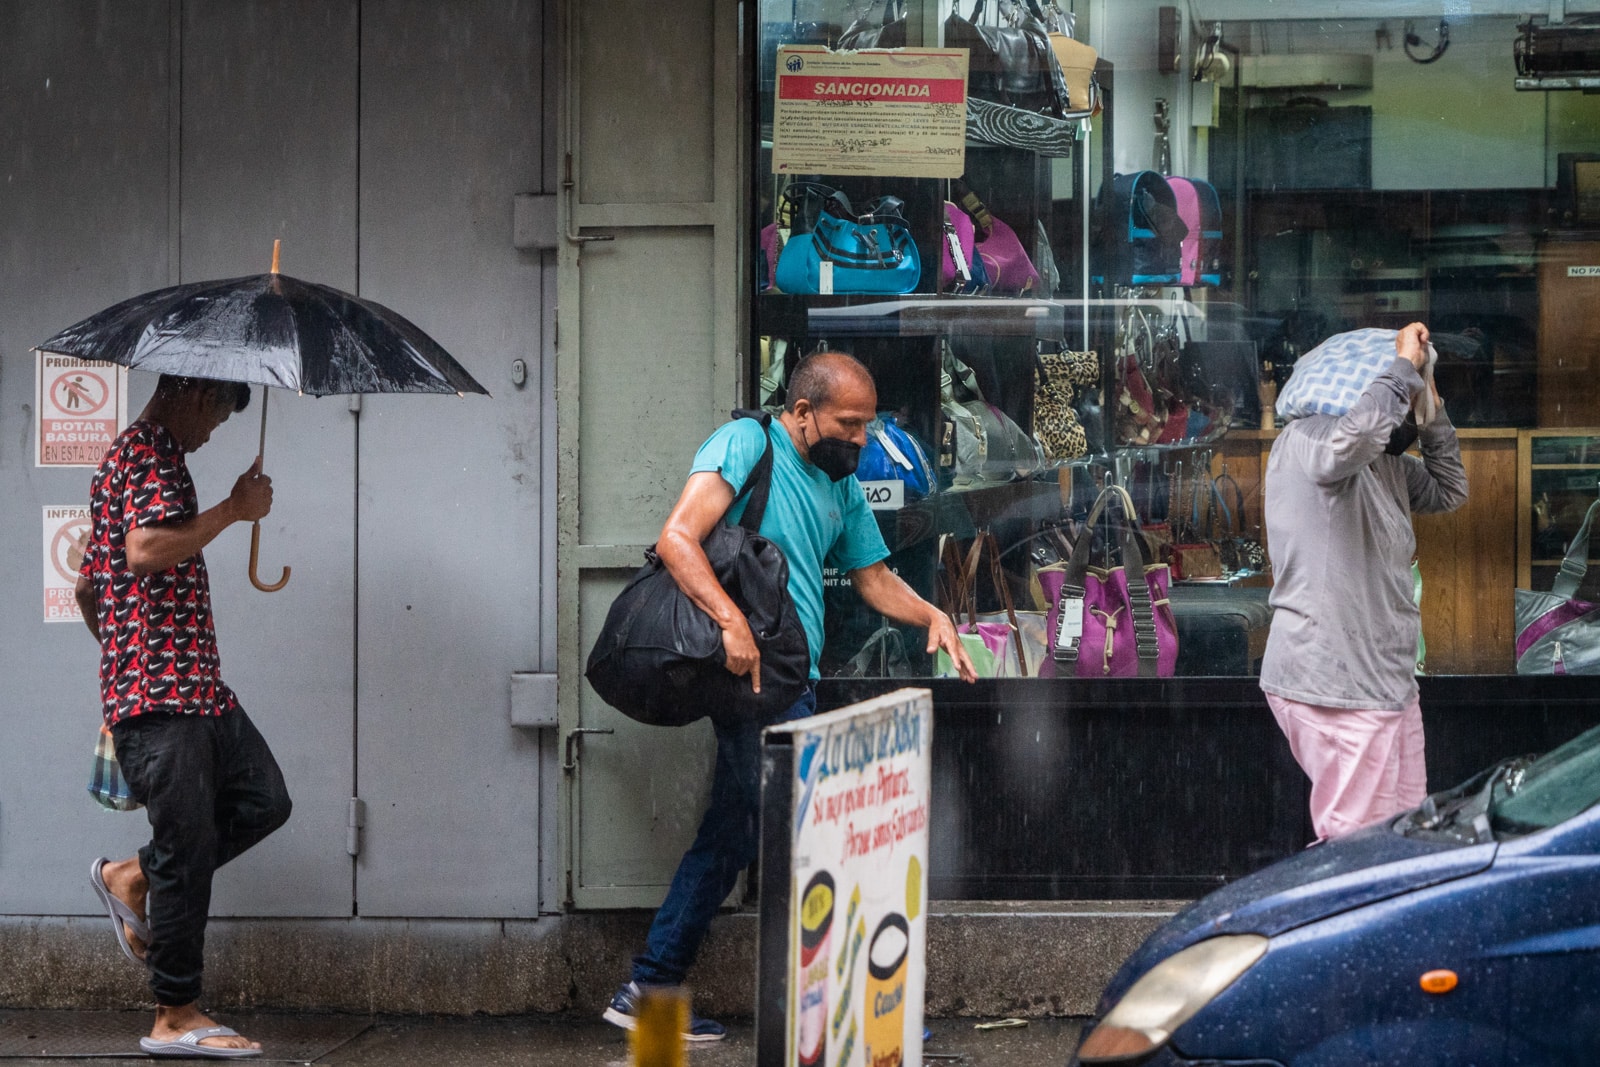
725,846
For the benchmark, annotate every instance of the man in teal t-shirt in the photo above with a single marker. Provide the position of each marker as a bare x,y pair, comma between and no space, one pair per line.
816,513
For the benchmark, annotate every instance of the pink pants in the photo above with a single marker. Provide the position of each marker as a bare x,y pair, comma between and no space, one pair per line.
1363,765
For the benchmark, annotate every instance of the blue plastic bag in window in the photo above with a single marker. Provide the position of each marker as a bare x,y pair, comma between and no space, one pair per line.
893,454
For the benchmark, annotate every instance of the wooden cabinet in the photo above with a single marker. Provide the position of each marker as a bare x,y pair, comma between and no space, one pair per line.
1569,331
1558,478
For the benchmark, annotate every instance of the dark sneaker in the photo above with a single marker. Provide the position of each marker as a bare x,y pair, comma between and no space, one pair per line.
622,1009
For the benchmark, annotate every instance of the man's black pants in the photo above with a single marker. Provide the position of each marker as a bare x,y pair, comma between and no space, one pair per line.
211,789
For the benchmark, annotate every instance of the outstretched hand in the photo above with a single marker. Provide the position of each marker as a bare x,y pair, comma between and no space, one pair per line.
942,635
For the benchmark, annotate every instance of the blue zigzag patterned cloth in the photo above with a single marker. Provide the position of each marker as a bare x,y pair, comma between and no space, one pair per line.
1330,378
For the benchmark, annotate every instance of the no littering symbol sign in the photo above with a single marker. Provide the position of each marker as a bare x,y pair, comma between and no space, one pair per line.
66,535
82,406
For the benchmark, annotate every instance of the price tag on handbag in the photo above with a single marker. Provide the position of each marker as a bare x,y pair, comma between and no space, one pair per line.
957,256
825,277
1069,621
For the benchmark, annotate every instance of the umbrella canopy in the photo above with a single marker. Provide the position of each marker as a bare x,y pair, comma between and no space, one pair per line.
268,329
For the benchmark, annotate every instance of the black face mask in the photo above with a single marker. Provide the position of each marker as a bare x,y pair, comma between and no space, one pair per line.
834,456
1403,436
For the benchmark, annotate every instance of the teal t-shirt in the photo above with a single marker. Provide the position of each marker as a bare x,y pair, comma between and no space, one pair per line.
817,522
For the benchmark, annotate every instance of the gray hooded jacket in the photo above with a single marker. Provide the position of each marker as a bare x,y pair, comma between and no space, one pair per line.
1338,515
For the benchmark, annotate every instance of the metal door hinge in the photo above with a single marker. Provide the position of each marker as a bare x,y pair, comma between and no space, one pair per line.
572,744
355,821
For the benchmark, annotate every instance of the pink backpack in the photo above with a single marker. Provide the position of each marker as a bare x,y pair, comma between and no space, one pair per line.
1201,212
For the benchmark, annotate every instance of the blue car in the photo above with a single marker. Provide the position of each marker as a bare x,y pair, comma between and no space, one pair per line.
1466,932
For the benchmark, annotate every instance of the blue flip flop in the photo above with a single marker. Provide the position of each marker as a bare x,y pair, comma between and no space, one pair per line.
189,1045
122,917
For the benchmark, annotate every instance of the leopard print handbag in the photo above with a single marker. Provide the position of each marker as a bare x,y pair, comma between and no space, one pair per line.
1057,379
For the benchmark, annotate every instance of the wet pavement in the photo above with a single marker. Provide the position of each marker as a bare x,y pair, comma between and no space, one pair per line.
483,1041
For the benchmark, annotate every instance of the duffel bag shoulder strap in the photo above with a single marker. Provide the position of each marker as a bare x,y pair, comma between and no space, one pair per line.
758,485
1146,642
1575,565
1069,605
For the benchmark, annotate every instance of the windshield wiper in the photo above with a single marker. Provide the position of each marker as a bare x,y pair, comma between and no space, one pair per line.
1467,807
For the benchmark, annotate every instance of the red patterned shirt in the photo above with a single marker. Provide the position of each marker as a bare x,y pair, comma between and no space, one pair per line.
158,644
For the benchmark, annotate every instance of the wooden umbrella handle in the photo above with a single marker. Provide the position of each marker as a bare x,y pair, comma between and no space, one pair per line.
255,527
255,552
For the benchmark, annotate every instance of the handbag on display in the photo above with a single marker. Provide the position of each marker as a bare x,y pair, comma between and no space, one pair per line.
1112,622
1556,632
1239,551
1017,95
1226,376
998,251
1141,415
1195,553
1077,61
888,32
1056,425
1006,263
993,643
981,442
845,253
1200,261
1141,233
659,659
1012,65
960,267
106,784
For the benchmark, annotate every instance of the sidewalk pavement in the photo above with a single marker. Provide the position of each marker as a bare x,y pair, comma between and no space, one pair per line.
507,1041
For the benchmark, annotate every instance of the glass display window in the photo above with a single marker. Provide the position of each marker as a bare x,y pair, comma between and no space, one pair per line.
1082,248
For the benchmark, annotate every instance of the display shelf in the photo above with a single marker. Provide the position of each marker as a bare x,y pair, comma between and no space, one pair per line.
1552,465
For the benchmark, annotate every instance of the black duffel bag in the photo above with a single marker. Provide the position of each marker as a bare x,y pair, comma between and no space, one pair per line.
659,658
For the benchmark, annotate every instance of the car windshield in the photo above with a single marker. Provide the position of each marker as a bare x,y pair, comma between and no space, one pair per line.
1549,790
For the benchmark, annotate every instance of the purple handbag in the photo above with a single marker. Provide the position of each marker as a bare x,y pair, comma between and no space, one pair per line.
1108,624
1007,263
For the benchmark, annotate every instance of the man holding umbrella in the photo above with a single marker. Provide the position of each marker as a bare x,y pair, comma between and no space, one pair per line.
186,748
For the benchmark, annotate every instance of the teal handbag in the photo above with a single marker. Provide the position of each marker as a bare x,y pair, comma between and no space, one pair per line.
873,253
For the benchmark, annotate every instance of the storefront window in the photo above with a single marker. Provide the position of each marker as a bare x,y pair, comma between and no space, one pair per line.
1082,246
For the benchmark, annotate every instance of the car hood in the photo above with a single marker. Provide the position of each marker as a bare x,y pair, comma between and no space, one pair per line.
1363,868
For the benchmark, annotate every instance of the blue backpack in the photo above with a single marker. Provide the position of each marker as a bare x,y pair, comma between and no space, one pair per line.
1141,232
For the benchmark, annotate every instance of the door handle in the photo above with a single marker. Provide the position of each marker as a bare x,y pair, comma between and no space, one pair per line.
568,184
572,748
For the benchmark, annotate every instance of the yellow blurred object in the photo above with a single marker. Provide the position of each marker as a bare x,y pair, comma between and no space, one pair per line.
663,1017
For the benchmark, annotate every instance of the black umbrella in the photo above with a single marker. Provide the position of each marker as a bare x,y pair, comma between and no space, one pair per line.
268,329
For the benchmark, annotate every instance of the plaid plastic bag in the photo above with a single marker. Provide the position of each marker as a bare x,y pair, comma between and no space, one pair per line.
106,783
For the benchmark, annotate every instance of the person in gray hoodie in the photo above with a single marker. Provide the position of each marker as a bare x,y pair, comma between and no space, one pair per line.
1340,666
